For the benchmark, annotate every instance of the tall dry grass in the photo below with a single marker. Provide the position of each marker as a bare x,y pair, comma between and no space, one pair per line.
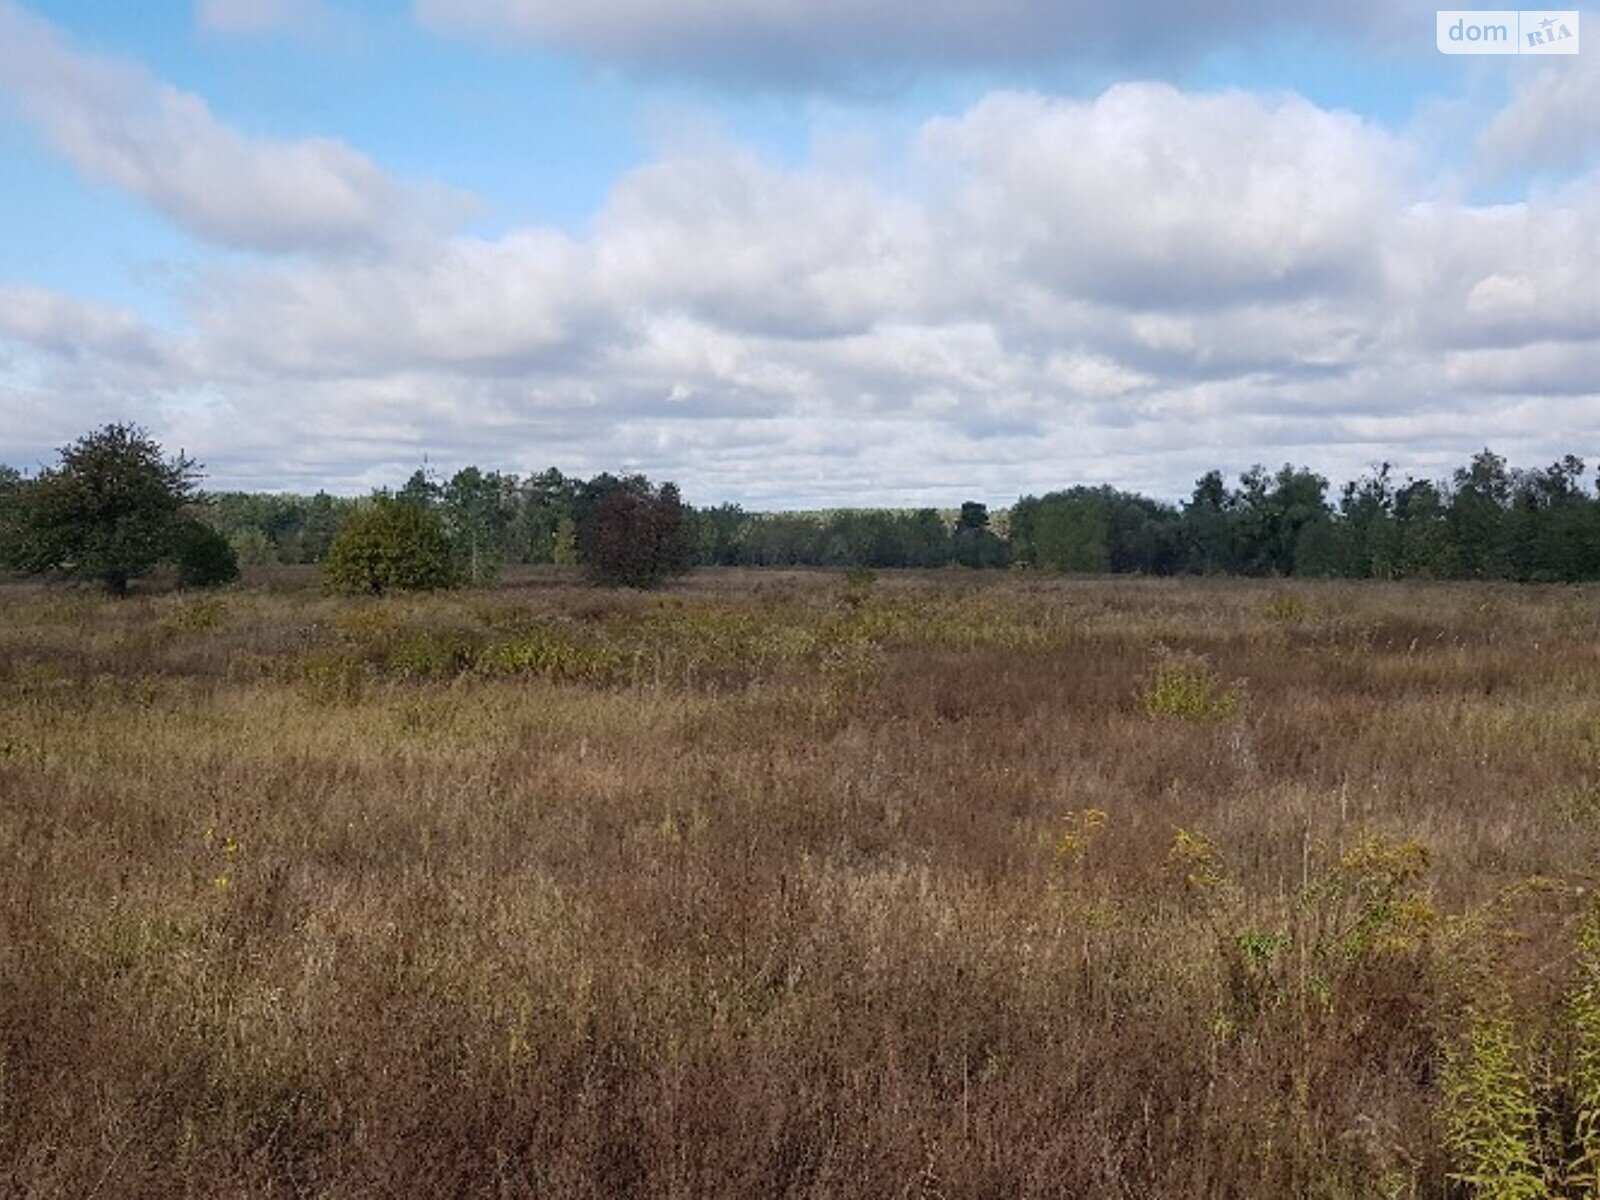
782,884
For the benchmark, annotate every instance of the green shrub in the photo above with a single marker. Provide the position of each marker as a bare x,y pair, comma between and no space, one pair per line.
433,654
203,557
1583,1015
390,545
1287,607
199,616
1185,686
1491,1116
550,654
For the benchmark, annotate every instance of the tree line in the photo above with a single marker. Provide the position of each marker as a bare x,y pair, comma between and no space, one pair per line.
1485,520
114,506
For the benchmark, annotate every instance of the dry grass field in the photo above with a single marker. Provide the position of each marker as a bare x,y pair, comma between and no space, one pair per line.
802,884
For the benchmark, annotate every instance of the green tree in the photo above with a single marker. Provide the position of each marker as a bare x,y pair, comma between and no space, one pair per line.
927,539
719,534
1422,517
1063,531
320,527
1550,528
204,557
471,507
1477,514
564,545
974,543
252,547
1273,511
540,506
277,528
1207,528
106,511
11,490
390,544
782,539
422,489
1370,547
1142,535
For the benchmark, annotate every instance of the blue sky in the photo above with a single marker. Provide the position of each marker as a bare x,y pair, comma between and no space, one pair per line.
799,253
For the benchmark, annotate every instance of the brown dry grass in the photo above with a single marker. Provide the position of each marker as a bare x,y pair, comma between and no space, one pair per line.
777,884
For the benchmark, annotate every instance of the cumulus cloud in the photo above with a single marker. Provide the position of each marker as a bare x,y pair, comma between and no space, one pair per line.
74,328
1148,196
68,364
758,249
787,42
517,304
1500,276
1129,288
1553,119
119,125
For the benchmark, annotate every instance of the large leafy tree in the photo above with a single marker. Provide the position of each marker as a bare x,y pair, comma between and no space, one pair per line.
1370,534
107,511
1274,512
1063,531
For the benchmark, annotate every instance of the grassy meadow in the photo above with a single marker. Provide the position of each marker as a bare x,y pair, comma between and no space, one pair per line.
802,884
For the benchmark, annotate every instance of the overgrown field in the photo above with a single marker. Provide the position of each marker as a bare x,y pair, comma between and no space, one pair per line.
804,885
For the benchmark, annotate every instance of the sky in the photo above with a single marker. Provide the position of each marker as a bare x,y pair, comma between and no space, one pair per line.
794,253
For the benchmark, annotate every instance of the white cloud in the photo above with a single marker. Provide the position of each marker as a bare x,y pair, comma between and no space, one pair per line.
78,344
73,328
68,364
518,304
758,249
1147,195
1502,275
119,125
1132,288
1553,119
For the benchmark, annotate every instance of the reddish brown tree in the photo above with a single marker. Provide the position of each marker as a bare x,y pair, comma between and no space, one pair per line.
631,534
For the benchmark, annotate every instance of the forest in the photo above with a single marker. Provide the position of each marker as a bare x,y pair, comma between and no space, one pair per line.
1487,520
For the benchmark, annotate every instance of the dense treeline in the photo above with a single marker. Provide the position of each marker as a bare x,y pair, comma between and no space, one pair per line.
1487,520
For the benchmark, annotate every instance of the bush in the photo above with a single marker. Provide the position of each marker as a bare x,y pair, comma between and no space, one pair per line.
1287,607
390,545
433,654
1185,686
204,557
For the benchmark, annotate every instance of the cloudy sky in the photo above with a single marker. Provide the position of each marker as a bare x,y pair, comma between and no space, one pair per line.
794,253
